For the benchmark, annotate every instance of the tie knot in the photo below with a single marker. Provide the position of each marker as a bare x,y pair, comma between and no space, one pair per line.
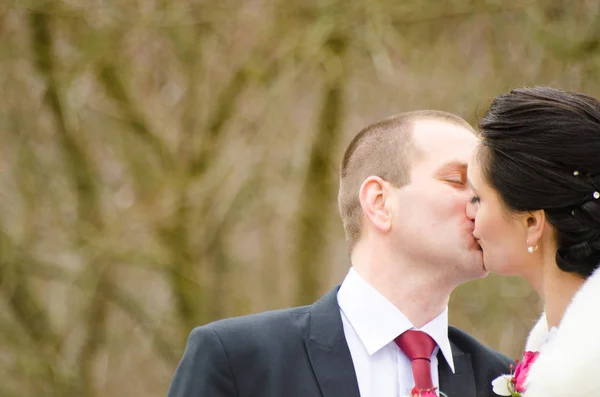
416,345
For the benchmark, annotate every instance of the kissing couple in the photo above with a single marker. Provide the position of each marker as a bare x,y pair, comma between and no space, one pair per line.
428,203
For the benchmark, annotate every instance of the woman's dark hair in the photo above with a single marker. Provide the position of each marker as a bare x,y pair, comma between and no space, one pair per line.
541,150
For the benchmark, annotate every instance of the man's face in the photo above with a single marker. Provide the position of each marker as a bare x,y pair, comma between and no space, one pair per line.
430,224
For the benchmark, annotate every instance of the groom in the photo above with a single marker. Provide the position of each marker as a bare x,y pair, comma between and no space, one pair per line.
402,200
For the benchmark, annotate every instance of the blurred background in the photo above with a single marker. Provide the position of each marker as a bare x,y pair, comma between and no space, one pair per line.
164,164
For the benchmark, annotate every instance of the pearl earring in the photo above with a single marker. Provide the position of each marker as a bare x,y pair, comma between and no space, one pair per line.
531,249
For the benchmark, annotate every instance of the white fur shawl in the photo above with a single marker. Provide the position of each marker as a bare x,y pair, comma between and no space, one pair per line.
569,365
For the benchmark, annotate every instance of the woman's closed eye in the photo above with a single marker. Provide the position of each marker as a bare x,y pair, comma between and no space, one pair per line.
474,200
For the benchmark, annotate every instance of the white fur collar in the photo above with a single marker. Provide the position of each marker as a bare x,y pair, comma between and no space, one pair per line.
537,335
568,365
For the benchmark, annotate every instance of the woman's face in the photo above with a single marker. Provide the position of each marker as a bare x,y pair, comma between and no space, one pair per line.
501,233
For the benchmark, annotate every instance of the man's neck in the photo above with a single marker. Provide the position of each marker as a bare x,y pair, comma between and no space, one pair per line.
420,296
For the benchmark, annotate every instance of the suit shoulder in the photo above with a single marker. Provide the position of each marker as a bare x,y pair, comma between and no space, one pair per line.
257,326
272,317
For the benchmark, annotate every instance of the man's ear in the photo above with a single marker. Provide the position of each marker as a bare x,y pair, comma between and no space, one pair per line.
535,222
373,195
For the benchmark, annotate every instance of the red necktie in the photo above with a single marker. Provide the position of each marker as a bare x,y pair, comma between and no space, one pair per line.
418,347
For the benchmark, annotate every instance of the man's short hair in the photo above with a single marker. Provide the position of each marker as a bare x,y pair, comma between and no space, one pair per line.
384,149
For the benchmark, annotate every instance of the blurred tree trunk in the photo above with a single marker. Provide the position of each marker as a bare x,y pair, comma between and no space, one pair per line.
89,222
320,185
188,265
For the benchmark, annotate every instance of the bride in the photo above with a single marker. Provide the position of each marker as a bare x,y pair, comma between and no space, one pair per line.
536,207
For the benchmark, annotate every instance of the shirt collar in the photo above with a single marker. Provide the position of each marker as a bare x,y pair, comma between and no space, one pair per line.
378,322
438,330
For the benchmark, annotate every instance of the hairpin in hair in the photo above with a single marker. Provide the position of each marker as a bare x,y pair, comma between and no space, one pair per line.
595,194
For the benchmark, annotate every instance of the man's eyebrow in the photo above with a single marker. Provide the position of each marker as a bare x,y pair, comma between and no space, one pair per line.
455,164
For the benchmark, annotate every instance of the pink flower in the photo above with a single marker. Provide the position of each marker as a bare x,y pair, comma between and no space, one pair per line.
522,370
423,392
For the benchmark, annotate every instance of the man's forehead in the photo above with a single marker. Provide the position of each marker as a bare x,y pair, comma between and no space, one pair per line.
443,141
438,126
441,127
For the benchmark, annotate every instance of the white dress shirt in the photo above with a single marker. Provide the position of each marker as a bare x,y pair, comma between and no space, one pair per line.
371,323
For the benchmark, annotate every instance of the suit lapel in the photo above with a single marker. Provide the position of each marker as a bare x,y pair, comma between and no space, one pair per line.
461,383
328,351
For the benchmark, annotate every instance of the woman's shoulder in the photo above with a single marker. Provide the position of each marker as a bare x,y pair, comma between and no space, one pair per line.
568,363
537,335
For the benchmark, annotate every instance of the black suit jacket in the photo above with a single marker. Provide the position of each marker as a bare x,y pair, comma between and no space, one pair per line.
302,352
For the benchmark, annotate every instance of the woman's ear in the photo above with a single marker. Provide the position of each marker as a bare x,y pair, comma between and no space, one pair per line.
373,195
535,222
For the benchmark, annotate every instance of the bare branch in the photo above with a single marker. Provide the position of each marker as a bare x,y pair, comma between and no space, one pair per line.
78,163
108,75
